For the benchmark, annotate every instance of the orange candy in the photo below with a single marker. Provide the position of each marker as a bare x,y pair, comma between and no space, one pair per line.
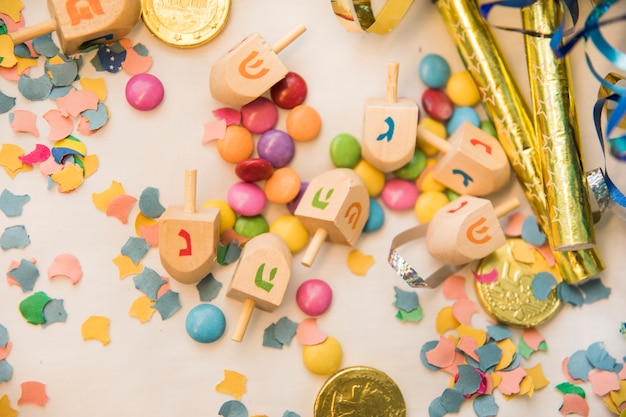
283,186
237,145
303,123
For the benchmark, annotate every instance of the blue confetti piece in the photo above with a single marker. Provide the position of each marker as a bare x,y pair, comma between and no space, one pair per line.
233,408
208,288
141,49
543,283
59,154
26,274
285,330
54,312
168,304
149,203
35,89
489,356
290,414
599,358
570,294
406,300
6,371
4,336
97,118
426,347
12,204
62,74
58,92
468,381
516,361
436,408
594,290
14,237
22,51
485,406
578,365
149,282
498,332
44,45
6,103
135,248
531,232
110,59
452,400
269,337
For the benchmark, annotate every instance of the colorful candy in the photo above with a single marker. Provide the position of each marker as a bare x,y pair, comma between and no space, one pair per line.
373,179
434,71
428,203
277,147
462,89
345,151
323,358
144,92
205,323
437,104
260,115
304,123
289,92
246,198
237,144
254,169
314,297
283,186
290,228
251,226
399,194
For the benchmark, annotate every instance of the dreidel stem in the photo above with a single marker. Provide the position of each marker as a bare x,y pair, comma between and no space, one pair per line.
190,191
392,82
289,37
243,320
432,139
314,247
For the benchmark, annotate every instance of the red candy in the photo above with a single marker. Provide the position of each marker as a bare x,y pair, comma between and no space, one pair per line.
437,104
289,92
260,115
254,169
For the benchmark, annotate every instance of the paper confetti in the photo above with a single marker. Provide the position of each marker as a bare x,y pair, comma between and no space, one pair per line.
168,304
6,371
280,333
142,309
486,278
25,274
308,333
135,248
120,206
96,328
406,300
233,384
126,266
54,312
574,404
32,307
24,121
66,265
101,200
60,125
208,288
149,282
233,408
359,263
39,154
5,407
531,232
543,284
149,203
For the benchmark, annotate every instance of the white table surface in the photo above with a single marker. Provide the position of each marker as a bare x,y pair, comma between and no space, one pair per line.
156,369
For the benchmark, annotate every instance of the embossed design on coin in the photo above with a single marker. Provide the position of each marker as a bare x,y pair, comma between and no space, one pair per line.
185,23
510,299
360,391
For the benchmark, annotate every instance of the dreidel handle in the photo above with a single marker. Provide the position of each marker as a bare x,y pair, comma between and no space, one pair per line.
506,207
243,320
314,247
432,139
190,191
289,37
31,32
392,82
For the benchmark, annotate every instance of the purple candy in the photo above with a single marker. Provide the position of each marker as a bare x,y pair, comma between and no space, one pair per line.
277,147
293,204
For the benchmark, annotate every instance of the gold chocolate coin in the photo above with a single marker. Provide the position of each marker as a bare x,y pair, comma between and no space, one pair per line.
360,391
510,299
185,23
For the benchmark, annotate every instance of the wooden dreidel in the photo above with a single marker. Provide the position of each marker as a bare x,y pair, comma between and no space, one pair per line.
80,24
336,206
390,127
467,229
188,238
260,278
471,162
249,69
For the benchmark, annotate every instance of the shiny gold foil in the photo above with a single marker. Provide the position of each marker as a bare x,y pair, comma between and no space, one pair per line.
510,115
558,137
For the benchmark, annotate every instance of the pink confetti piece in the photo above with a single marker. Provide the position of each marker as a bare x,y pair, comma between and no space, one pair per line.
622,374
532,338
453,368
4,351
50,166
83,127
463,310
546,253
514,228
443,354
66,265
120,206
603,382
574,404
214,131
469,345
60,125
33,392
135,63
25,121
454,288
229,115
150,234
566,373
10,74
163,288
511,380
77,101
39,154
486,278
308,334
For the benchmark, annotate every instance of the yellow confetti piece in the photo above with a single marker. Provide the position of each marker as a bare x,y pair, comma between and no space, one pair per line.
72,144
56,60
24,63
96,86
619,397
142,309
91,163
446,320
12,8
5,407
9,157
539,379
101,200
233,384
479,335
96,328
496,378
126,266
523,252
143,221
69,178
359,263
508,349
6,52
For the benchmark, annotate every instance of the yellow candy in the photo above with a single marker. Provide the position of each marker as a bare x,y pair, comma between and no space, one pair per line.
227,214
373,178
293,232
426,182
433,126
323,358
428,203
462,89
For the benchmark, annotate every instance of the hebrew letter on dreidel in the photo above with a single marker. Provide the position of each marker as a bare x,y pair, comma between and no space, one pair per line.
467,229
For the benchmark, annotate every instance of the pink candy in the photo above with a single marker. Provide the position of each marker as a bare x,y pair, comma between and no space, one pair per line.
246,198
260,115
314,297
399,194
144,92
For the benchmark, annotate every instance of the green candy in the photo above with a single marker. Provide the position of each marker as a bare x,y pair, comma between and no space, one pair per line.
414,167
345,151
488,127
251,226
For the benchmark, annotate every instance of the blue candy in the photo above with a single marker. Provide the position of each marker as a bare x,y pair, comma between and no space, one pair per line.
205,323
462,114
434,71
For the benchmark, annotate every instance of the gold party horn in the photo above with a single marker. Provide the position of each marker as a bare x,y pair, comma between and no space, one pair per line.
506,108
558,136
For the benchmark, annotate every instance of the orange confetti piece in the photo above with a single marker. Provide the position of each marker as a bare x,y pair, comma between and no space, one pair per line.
33,392
66,265
308,333
77,101
50,166
24,121
142,309
101,200
69,178
574,404
453,287
514,228
359,263
96,86
136,64
233,384
463,310
468,345
4,352
126,266
120,206
61,126
5,407
96,328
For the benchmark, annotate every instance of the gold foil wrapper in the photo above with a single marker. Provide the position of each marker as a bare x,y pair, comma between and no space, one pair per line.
558,136
510,115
